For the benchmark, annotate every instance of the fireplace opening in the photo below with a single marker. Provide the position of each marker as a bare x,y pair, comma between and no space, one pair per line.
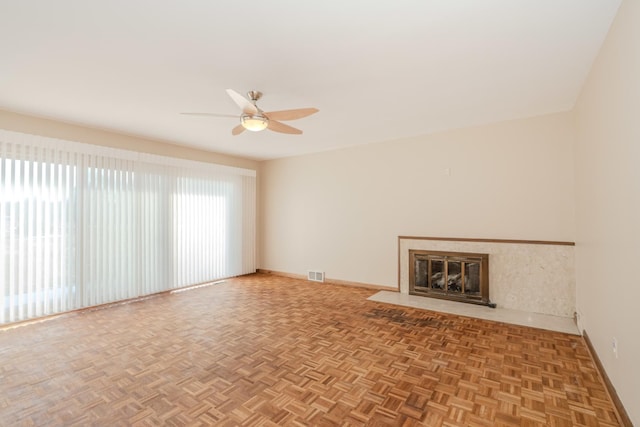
457,276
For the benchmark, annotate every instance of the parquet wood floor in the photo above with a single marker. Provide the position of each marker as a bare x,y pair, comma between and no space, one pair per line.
262,350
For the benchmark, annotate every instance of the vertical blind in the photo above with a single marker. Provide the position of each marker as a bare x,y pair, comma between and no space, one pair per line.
82,225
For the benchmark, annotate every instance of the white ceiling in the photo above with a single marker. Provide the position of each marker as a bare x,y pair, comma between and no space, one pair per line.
377,70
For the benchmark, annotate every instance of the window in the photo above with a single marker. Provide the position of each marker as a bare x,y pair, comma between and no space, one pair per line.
82,225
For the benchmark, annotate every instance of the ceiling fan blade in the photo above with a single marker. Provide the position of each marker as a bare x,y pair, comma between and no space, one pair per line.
282,128
237,130
245,105
210,115
291,114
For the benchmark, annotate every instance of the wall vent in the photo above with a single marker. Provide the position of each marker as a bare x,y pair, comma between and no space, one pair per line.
315,276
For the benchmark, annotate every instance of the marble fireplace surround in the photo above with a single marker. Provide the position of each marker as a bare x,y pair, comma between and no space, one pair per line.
526,275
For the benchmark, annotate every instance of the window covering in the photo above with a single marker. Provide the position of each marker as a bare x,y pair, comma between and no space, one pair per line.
82,225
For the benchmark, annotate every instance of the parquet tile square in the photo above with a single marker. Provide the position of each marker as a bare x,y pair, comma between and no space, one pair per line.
262,350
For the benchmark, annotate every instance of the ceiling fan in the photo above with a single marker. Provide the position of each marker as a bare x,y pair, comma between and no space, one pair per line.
255,120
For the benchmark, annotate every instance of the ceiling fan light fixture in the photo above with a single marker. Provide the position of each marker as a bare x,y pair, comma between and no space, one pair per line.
254,123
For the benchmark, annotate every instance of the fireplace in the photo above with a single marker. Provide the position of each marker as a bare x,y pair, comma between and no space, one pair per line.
457,276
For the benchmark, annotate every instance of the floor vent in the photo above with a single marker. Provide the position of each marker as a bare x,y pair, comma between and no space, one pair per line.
315,276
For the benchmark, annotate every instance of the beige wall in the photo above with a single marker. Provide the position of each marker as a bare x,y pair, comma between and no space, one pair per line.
607,158
54,129
341,211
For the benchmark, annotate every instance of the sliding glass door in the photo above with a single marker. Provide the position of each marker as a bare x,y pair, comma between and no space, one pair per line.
82,225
